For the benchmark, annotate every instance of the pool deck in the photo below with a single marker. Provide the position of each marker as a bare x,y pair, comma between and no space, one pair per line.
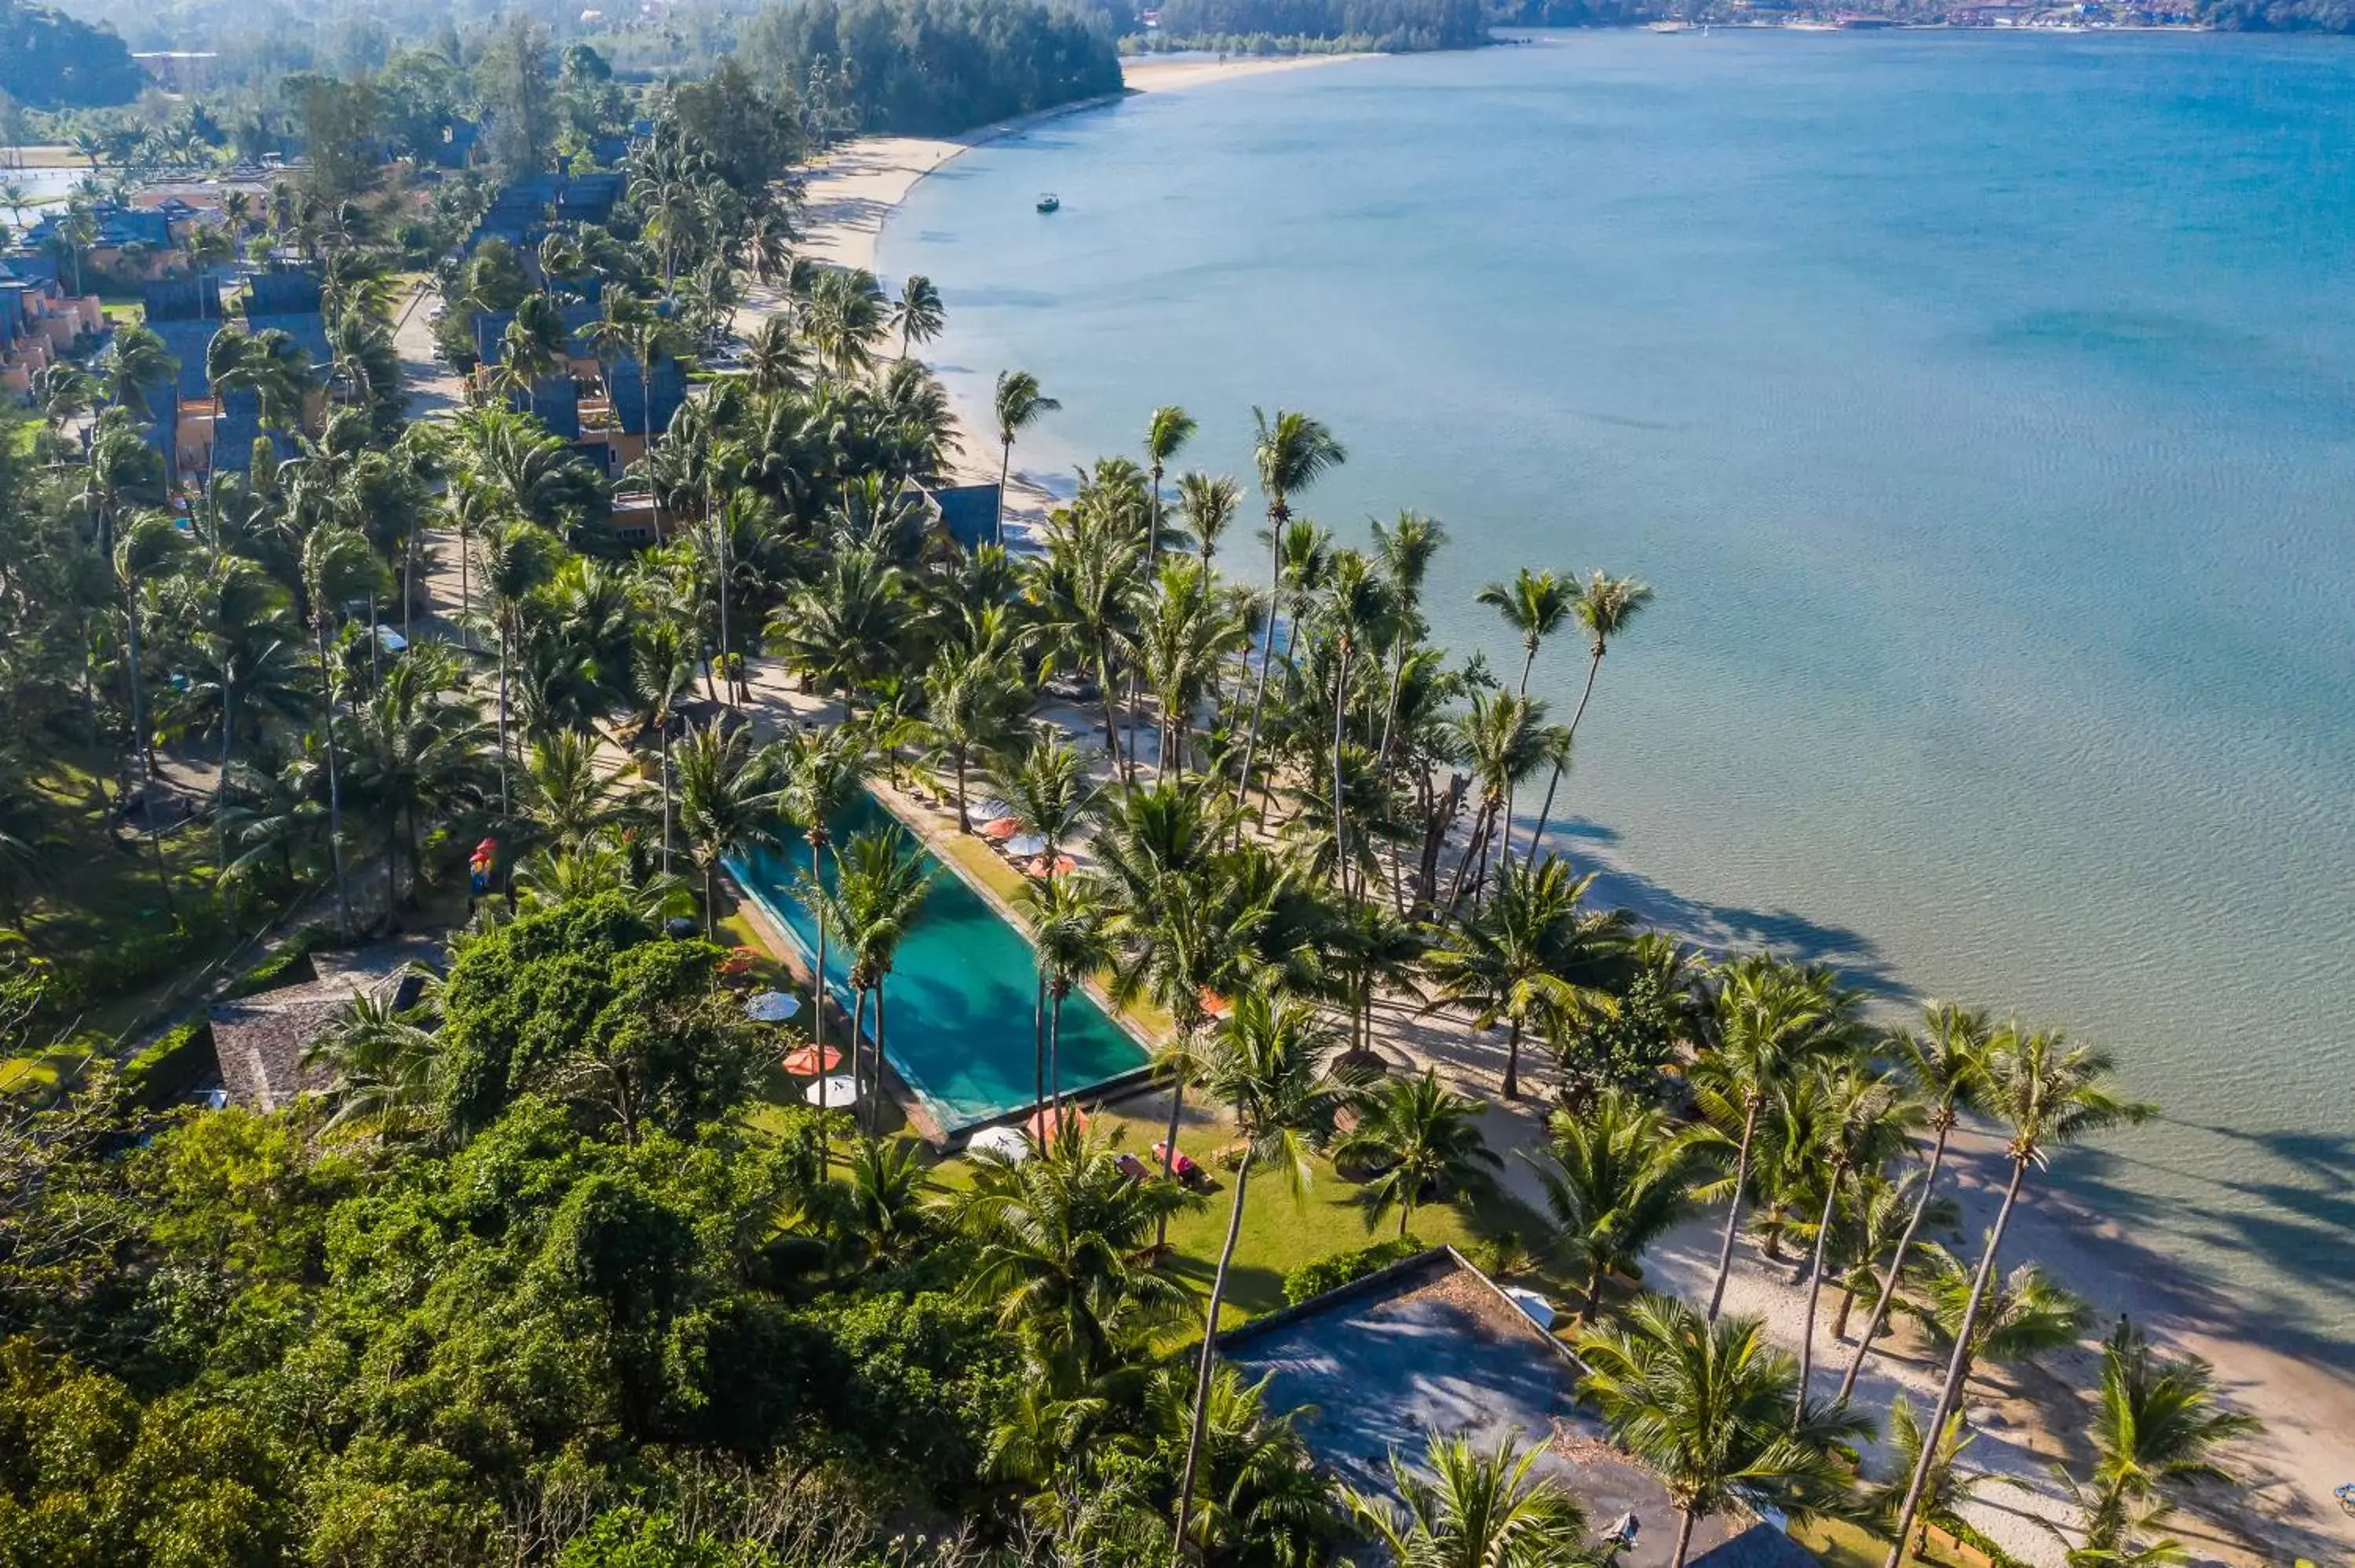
1431,1344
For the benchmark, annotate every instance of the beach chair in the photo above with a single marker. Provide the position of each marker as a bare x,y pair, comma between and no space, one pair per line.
1134,1168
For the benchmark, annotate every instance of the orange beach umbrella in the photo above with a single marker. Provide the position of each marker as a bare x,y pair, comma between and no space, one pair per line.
1043,1125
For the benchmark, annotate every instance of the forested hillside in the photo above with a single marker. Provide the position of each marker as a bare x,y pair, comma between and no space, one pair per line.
49,60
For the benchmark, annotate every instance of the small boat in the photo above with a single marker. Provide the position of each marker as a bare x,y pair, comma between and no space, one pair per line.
1050,202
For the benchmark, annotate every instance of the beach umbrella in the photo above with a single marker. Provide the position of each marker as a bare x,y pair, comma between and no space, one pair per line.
1005,1142
804,1063
838,1093
770,1007
1538,1309
1001,827
1027,843
990,809
1043,1125
1213,1004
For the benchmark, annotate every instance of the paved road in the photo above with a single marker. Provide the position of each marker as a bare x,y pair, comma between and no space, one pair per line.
433,388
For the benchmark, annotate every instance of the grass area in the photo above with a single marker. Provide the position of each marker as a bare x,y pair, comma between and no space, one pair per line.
122,311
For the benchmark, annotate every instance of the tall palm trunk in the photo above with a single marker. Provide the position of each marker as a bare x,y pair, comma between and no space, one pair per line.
817,992
1206,1363
506,809
1734,1208
221,785
1537,831
146,737
1056,993
1684,1537
1340,811
1169,1155
1275,520
1888,1291
335,789
1815,1294
1005,467
1039,1042
1512,1086
1958,1365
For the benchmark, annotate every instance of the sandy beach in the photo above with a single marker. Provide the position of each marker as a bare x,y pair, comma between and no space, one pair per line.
2030,1417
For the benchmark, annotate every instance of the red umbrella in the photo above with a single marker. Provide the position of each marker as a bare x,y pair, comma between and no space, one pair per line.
1213,1004
1043,1125
1003,828
804,1063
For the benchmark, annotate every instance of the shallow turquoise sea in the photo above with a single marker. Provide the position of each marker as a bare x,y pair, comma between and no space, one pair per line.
1980,407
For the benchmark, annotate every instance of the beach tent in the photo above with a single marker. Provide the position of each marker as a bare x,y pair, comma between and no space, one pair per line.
838,1093
1005,1142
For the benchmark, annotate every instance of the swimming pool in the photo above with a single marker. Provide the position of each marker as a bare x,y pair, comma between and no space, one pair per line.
960,992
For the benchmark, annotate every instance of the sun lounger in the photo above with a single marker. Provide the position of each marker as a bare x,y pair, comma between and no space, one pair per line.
1134,1168
1182,1167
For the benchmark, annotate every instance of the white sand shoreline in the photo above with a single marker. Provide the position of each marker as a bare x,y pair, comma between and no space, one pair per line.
2306,1402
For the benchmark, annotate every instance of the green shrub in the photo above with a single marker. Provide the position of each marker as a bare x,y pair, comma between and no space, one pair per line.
1332,1273
170,1066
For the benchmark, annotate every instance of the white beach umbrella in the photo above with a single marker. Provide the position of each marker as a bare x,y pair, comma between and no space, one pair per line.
770,1007
1003,1141
1027,844
988,810
837,1093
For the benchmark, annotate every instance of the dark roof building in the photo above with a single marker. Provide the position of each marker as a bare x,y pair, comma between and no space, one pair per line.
1433,1345
261,1042
1760,1546
282,292
640,402
188,342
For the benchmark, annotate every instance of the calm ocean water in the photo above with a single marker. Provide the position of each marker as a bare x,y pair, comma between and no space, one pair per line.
1982,408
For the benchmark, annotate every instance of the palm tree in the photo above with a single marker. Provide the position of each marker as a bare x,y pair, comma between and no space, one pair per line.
2023,1314
1528,956
1267,1065
662,674
1165,435
1949,1486
1071,934
1865,1121
1422,1141
2157,1430
891,1188
335,560
1774,1019
1048,791
1062,1248
2051,1094
386,1067
845,629
728,803
1534,605
973,706
1018,404
1465,1508
821,769
1605,605
1292,452
1713,1408
881,895
1946,1061
1506,739
1261,1498
566,791
1208,503
1616,1180
918,313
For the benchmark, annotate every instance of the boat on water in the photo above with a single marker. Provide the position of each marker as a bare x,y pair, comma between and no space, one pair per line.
1050,202
1671,28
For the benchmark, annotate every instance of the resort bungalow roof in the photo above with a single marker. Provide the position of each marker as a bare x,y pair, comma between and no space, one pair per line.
1433,1345
556,399
282,292
261,1042
197,297
236,431
1760,1546
653,402
306,329
188,342
969,512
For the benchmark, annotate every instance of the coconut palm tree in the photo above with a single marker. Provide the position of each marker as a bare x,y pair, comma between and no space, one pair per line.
2022,1314
1208,503
1070,932
1946,1060
1358,606
1949,1486
821,771
890,1194
1710,1406
1616,1180
1468,1508
2050,1093
1267,1065
1260,1497
1605,605
1866,1118
662,675
1506,739
2158,1428
1048,789
567,793
1534,605
1422,1141
883,886
1062,1248
973,706
1774,1019
335,560
728,803
1291,452
845,629
385,1068
1018,404
1528,956
918,312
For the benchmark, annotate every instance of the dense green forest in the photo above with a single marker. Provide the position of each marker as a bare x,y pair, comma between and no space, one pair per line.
932,67
1374,23
50,61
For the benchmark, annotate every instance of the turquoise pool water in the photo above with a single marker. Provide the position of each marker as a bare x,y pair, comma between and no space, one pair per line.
959,998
